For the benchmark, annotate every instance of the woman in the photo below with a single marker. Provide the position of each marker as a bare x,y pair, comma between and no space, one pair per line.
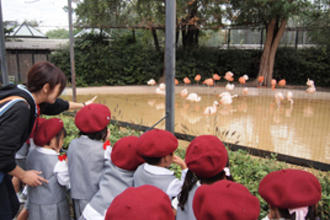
17,116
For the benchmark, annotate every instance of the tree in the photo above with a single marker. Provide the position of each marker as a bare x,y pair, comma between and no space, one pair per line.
58,34
319,20
273,15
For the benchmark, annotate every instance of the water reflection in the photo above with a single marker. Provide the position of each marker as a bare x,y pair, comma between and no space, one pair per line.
301,129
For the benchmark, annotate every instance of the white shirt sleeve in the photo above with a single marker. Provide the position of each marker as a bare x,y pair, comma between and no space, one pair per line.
62,172
107,152
174,188
91,214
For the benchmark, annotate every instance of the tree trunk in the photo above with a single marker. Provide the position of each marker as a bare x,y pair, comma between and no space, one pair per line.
273,37
267,45
133,36
273,50
156,42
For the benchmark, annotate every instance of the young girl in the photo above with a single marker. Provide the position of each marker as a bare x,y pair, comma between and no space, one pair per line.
118,176
225,200
86,154
141,203
290,194
206,158
48,201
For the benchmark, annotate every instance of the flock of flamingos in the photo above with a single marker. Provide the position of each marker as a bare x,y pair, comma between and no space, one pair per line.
226,98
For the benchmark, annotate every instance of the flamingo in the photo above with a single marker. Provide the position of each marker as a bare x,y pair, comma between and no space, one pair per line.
243,79
282,82
151,82
273,83
186,80
311,87
245,91
161,89
289,96
176,82
198,78
261,80
194,97
216,77
278,98
229,76
210,110
209,82
226,98
184,92
230,86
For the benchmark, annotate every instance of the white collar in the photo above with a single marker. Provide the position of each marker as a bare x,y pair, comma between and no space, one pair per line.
47,151
157,170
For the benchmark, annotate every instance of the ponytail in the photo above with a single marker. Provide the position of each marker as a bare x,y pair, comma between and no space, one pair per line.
190,180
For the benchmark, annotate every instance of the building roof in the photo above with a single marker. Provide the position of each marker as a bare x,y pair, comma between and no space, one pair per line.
36,44
91,31
25,30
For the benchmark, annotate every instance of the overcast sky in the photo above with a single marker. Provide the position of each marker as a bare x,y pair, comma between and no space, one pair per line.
49,13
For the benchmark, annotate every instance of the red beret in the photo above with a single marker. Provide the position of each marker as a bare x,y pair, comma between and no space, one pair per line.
224,200
141,203
46,130
206,156
157,143
93,118
290,188
124,154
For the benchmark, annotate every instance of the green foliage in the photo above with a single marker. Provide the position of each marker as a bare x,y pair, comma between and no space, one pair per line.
244,168
58,34
125,62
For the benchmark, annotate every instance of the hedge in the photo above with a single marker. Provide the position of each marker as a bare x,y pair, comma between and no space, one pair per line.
124,61
245,169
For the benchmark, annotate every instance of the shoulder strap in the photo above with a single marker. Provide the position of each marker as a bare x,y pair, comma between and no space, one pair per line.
11,101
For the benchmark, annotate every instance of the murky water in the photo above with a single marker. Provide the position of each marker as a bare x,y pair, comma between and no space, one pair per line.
301,129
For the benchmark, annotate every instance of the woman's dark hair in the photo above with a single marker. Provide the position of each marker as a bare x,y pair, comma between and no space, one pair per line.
45,72
191,179
99,135
311,215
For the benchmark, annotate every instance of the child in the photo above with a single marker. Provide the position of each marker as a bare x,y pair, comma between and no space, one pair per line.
156,147
225,200
206,158
86,154
48,201
290,194
118,176
141,203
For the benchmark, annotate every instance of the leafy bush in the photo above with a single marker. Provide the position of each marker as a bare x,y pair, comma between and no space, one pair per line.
125,61
245,169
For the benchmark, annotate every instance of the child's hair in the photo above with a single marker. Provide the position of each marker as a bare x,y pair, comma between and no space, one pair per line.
99,135
153,160
191,179
311,215
58,136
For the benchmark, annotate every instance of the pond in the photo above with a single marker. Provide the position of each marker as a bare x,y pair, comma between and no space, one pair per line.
301,129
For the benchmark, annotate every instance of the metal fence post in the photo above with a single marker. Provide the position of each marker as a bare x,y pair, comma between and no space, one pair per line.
3,62
73,71
170,62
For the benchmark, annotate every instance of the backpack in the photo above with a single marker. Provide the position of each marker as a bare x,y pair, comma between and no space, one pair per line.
11,101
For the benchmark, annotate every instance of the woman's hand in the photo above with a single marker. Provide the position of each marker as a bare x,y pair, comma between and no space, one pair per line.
90,101
33,178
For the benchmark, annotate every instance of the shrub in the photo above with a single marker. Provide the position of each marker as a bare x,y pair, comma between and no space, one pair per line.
125,61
